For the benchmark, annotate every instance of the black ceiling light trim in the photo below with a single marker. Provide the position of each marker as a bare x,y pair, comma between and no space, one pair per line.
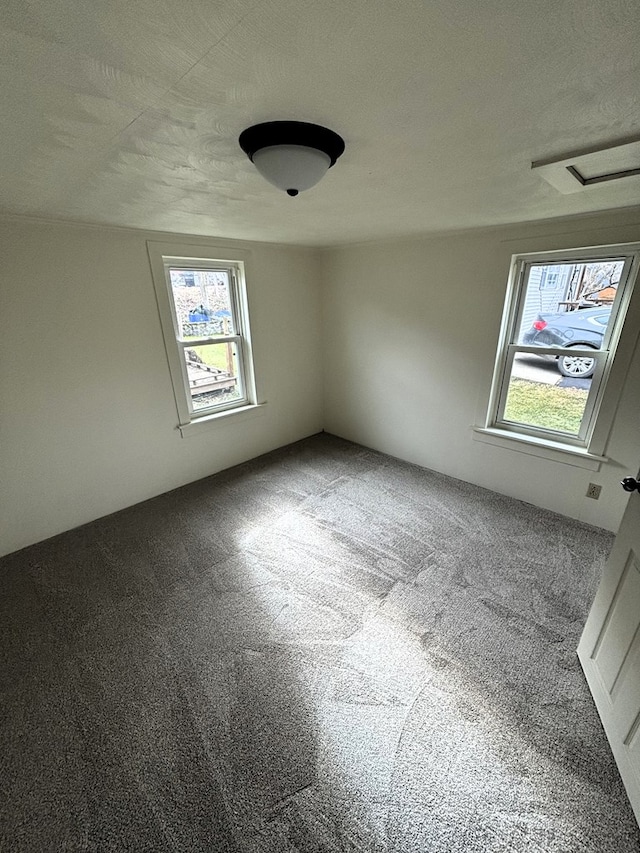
291,155
291,133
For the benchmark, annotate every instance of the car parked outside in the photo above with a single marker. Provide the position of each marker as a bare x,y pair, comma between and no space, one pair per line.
583,328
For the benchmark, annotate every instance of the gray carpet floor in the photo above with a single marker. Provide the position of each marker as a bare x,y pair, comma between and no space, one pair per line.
324,649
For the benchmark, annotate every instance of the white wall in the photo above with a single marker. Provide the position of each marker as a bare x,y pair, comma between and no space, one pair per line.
87,415
410,334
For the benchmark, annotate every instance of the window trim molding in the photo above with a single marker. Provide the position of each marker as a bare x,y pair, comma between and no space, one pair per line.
589,449
215,419
189,256
555,451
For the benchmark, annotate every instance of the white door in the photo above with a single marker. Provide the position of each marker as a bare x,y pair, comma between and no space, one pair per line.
609,651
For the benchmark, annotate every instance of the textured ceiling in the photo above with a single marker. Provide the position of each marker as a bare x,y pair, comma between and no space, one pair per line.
127,112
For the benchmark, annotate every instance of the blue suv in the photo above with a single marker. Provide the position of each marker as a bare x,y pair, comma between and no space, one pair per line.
582,328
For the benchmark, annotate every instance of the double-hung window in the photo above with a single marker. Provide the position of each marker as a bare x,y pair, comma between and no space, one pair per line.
203,311
561,326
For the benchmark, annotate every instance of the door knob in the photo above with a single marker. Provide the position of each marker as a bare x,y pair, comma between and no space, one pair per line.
630,484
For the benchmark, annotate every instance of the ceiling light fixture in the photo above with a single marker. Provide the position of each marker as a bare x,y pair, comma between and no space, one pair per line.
291,155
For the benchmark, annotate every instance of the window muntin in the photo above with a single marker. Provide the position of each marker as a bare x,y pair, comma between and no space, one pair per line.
564,314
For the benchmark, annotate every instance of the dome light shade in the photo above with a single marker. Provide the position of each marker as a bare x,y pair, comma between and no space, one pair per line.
291,155
291,167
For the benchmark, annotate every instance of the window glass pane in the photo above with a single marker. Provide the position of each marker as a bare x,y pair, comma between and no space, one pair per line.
213,374
568,304
202,300
540,396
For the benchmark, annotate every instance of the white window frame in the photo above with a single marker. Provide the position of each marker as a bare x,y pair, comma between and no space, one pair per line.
544,284
591,440
166,257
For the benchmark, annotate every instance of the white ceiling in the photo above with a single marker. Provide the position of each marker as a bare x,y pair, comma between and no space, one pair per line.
128,112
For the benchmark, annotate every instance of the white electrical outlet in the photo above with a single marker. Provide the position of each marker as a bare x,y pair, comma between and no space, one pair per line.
593,491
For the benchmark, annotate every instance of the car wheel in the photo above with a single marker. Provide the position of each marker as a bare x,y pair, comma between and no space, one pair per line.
576,366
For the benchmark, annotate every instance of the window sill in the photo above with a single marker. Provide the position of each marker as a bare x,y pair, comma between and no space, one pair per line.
566,454
200,425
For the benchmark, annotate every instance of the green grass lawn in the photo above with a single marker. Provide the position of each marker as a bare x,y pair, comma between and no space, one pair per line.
545,406
216,355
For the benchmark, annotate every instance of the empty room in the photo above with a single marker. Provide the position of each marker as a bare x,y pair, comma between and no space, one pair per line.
319,426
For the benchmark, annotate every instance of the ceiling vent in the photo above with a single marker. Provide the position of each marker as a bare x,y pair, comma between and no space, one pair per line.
593,167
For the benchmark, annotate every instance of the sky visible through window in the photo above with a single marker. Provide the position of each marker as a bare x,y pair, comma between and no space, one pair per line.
565,305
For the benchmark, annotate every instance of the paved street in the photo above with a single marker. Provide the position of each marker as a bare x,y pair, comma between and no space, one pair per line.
538,369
